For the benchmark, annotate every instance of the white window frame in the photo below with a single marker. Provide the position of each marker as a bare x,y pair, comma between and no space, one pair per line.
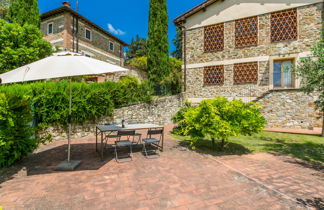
48,24
295,81
113,48
85,34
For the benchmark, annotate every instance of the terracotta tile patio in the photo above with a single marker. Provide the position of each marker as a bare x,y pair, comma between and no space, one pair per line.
180,179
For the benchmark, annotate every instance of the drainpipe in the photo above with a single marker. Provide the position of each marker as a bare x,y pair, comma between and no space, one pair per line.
184,44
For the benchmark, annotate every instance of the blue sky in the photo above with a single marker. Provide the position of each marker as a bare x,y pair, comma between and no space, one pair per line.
124,18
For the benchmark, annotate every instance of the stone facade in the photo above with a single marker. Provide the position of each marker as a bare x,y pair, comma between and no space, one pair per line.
290,109
309,27
309,22
97,47
159,112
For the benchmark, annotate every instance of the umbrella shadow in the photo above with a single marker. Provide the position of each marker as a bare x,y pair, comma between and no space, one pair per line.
44,162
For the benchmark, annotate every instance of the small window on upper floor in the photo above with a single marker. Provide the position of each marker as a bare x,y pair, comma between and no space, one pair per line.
246,32
50,28
284,25
88,34
214,38
111,46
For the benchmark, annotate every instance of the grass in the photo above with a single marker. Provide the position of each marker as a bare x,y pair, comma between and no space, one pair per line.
306,147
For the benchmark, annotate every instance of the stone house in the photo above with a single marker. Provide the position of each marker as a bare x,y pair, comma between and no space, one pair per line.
60,24
67,30
245,48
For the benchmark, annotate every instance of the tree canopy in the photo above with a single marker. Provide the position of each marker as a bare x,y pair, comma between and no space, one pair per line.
24,12
177,41
137,48
20,45
158,62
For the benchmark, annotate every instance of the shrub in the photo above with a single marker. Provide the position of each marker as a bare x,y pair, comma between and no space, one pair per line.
16,132
219,119
178,118
50,100
139,63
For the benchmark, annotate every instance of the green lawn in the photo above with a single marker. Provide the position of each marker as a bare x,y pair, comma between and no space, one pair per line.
306,147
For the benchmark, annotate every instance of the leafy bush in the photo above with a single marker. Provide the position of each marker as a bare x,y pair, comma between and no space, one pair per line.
50,100
171,83
219,119
21,45
178,118
139,63
16,139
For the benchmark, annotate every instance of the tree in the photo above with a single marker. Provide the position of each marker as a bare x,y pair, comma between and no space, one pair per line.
24,12
219,119
311,72
139,63
158,63
172,82
4,7
137,48
20,45
178,45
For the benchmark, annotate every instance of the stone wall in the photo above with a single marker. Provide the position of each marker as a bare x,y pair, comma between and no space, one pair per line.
159,112
290,109
139,74
309,28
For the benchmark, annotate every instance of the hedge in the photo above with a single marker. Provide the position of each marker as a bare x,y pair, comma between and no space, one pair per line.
47,103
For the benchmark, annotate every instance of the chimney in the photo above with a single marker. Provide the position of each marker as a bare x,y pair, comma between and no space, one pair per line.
66,4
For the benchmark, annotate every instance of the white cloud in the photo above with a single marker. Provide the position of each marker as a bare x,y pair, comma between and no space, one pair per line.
115,31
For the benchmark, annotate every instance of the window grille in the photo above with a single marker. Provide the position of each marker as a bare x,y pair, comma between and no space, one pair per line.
284,25
246,32
246,72
214,75
214,38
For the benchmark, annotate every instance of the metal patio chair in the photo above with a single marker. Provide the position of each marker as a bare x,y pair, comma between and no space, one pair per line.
130,136
153,143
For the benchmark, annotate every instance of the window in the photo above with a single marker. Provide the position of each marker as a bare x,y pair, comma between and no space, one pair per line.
246,32
214,75
282,74
50,28
284,25
111,46
214,38
88,34
246,72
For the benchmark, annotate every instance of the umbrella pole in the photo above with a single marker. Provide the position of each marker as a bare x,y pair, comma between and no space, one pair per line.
69,165
69,121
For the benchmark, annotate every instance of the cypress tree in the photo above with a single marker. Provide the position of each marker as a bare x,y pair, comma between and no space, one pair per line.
24,12
158,63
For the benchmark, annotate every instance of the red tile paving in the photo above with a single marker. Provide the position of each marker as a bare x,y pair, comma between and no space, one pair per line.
180,179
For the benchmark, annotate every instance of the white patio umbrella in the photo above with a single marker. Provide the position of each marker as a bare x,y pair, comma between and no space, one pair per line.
60,65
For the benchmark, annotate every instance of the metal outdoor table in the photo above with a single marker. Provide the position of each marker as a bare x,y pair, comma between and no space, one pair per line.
102,129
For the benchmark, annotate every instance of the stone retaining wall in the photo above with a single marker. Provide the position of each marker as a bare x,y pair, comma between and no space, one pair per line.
159,111
290,109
